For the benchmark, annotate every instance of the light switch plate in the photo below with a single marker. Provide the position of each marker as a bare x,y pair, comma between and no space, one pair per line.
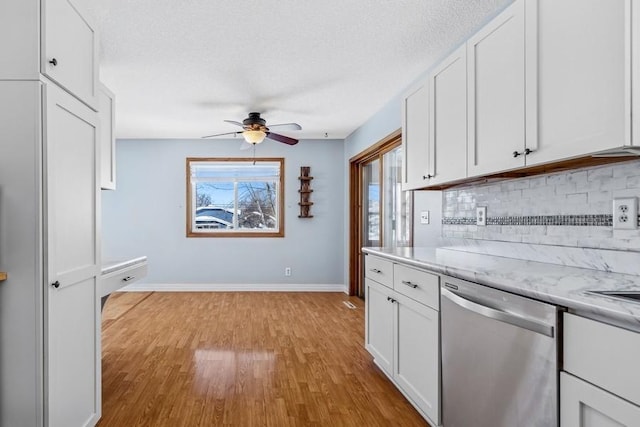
625,213
424,217
481,215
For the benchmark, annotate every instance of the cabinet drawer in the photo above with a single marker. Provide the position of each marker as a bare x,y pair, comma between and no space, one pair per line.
603,355
378,269
118,279
417,284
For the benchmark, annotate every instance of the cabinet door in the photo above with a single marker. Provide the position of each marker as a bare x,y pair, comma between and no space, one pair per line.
72,316
496,98
69,48
584,49
379,324
448,119
417,357
415,138
106,112
585,405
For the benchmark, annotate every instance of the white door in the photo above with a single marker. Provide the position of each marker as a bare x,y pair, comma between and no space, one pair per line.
448,119
417,357
496,93
585,405
415,137
379,324
69,48
72,316
584,81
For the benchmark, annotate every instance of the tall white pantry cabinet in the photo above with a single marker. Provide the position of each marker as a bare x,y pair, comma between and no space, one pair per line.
49,215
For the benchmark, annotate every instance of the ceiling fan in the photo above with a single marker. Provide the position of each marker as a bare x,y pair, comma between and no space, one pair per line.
256,130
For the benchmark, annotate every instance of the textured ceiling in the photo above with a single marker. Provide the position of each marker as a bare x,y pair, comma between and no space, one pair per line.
179,68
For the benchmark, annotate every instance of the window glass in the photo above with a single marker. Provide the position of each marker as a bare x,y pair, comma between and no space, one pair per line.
235,197
397,204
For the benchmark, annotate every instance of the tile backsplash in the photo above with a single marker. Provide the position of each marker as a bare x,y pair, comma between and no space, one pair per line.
572,208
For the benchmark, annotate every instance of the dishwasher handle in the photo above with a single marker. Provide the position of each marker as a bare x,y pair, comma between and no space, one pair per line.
500,315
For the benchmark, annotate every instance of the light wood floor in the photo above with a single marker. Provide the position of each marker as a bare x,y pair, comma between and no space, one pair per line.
242,359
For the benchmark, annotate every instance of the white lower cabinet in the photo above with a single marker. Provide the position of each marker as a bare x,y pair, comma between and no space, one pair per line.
403,336
585,405
379,324
599,387
416,367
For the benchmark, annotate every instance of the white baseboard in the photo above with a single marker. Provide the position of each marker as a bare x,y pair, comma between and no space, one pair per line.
234,287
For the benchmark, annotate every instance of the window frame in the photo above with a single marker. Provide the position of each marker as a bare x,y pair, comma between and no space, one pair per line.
190,205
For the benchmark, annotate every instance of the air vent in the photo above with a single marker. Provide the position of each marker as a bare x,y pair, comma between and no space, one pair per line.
349,305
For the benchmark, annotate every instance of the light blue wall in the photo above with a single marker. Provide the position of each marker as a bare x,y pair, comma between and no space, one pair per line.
146,216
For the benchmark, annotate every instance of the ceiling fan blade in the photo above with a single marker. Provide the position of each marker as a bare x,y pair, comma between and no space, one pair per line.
246,146
281,138
233,122
288,126
221,134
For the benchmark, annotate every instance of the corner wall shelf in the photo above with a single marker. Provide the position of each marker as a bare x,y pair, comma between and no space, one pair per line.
305,192
3,276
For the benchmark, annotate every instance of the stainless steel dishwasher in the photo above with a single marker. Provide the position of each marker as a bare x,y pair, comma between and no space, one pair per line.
499,358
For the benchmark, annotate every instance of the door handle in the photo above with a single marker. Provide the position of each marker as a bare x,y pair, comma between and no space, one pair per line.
56,284
502,316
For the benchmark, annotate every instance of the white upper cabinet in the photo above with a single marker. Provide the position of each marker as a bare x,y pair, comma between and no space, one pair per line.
69,48
496,97
106,113
584,81
54,37
415,137
448,119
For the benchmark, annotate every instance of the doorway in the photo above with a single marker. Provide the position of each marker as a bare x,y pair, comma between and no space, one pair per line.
380,213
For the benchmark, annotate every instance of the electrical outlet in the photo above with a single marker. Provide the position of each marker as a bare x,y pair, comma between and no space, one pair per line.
287,271
481,215
424,217
625,213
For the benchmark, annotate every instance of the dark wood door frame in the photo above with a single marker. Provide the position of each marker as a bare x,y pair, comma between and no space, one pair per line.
356,164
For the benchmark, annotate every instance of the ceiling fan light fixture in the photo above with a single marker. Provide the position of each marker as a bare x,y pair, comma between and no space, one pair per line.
254,136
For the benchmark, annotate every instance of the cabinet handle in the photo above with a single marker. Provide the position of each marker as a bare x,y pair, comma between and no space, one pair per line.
410,284
128,278
375,270
429,176
526,152
56,284
391,300
53,62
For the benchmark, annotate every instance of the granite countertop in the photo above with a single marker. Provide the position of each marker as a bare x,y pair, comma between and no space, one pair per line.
111,266
558,284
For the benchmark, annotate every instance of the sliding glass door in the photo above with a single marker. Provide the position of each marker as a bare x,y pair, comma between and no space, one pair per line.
381,213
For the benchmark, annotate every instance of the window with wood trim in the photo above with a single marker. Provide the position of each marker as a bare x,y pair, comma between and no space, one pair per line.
235,197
